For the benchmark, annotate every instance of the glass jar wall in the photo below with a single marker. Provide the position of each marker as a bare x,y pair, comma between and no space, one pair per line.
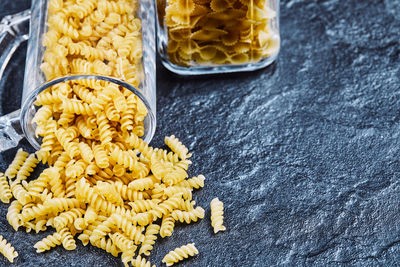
215,36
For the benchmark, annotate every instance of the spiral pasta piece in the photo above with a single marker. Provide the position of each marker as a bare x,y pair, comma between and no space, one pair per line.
48,242
67,239
7,250
179,254
107,245
188,216
27,168
67,142
143,205
177,147
102,229
122,242
100,156
141,262
128,193
67,218
131,230
167,226
194,182
16,164
56,205
141,184
150,238
5,190
217,212
166,206
20,193
13,214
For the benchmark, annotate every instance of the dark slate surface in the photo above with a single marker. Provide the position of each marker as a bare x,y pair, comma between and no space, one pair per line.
304,153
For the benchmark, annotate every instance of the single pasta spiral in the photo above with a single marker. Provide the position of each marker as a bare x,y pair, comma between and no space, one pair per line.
122,242
13,214
61,204
7,250
143,205
141,184
177,147
67,218
217,215
78,107
150,238
16,164
28,167
167,226
67,239
132,231
5,191
127,193
48,242
188,216
107,245
166,207
141,262
180,253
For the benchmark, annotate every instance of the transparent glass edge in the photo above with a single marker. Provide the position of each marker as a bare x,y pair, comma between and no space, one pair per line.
28,104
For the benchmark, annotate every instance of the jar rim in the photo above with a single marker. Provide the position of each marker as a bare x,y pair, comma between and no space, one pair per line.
28,104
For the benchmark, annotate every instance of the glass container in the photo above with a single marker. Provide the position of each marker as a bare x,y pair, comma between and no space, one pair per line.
86,48
217,36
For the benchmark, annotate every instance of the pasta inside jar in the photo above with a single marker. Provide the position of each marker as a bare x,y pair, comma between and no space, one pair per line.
206,36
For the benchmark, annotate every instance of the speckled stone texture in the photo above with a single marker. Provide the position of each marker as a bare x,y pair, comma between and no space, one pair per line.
304,153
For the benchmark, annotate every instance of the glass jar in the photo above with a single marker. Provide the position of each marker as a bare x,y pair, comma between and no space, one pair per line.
216,36
98,53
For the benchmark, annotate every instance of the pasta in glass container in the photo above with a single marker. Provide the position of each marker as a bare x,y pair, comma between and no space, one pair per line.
90,73
216,36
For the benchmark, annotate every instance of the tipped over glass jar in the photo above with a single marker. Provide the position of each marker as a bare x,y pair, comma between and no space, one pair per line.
91,62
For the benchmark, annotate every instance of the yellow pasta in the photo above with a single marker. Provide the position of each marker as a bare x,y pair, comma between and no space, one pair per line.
5,191
180,253
217,218
48,242
16,164
149,239
103,183
7,250
195,28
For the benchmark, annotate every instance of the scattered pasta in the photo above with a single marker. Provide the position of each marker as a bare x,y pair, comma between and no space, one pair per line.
115,213
217,212
103,184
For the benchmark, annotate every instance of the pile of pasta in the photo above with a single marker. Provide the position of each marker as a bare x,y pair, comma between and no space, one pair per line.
114,212
209,32
103,184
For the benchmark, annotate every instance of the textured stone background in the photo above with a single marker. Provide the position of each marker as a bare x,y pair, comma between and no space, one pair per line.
304,153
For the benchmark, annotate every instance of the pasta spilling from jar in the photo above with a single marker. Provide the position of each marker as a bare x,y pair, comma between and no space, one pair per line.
80,116
122,214
214,32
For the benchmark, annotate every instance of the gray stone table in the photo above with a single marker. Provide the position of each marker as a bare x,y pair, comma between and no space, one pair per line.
305,153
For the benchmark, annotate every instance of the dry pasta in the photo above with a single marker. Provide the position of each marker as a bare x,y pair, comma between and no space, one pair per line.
103,183
5,190
7,250
217,217
179,254
219,31
109,212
